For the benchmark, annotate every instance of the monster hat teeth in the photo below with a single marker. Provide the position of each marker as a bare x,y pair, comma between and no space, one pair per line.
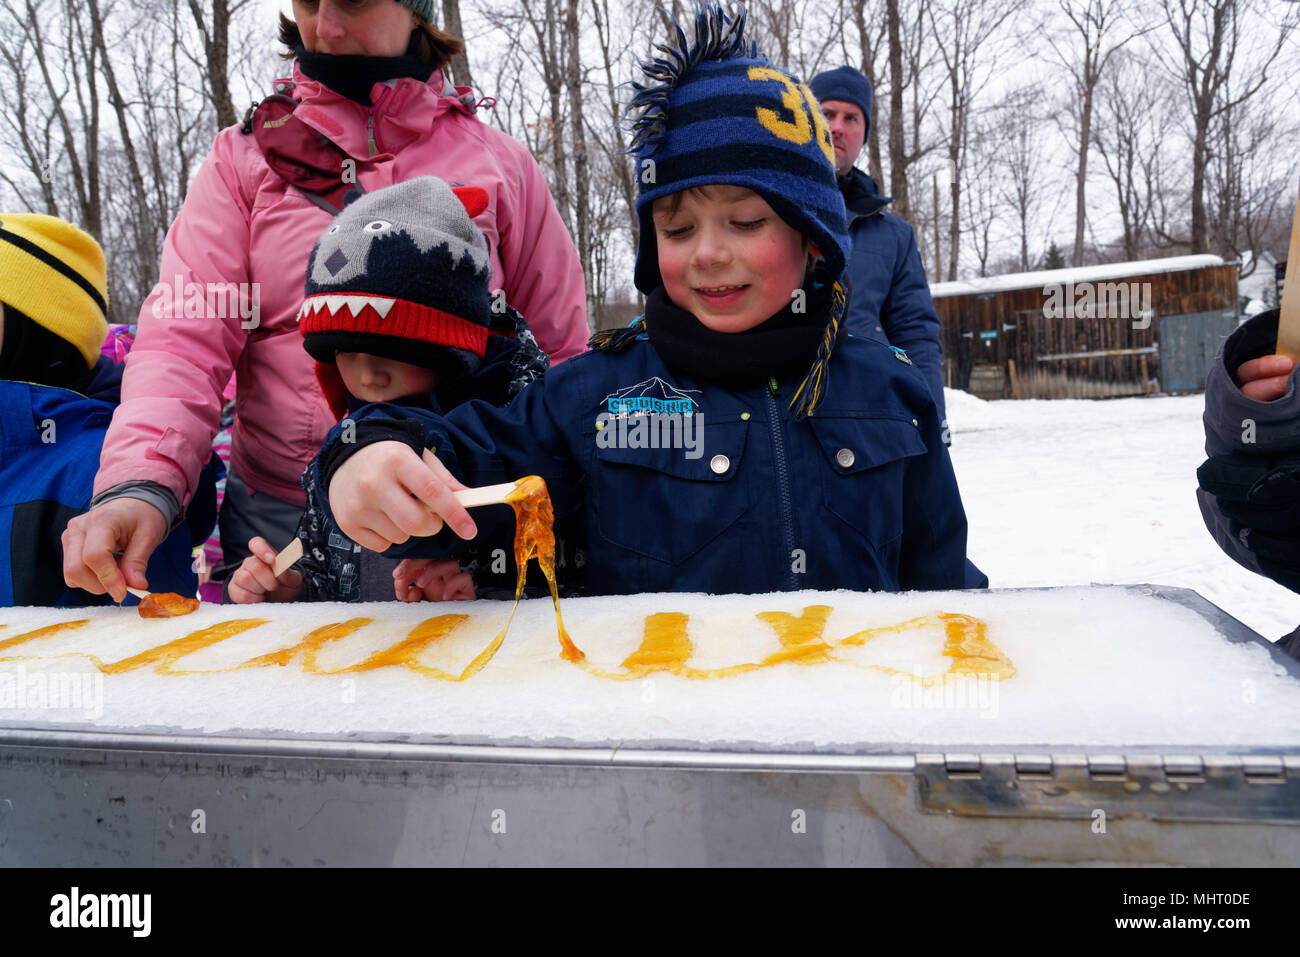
355,304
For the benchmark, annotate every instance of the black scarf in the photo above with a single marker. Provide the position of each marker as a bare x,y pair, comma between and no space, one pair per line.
354,76
783,346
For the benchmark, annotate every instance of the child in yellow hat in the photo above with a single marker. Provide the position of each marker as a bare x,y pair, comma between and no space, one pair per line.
57,396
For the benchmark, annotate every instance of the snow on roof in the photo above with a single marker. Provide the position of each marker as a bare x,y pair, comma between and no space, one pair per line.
1052,277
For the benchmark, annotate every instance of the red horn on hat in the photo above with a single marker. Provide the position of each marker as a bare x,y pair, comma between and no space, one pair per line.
475,198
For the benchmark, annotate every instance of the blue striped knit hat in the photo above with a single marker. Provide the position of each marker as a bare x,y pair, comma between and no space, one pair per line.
717,112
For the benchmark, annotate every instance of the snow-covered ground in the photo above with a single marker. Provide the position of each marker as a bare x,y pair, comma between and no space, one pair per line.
1067,492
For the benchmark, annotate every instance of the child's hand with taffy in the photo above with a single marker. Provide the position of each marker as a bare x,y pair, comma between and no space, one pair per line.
254,581
385,494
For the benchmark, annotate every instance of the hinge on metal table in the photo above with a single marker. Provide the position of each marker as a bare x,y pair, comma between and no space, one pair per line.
1199,787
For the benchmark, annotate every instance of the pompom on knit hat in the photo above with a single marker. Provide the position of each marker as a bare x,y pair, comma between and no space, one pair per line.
402,273
54,273
848,86
712,110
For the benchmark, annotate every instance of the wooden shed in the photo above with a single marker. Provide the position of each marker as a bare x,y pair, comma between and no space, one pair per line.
1089,332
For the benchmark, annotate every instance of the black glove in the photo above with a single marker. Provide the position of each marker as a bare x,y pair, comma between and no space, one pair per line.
1260,495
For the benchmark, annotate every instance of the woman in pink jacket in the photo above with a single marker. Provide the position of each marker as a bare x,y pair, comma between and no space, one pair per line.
369,80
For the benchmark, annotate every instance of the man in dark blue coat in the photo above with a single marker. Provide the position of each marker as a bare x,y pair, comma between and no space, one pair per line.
890,300
1250,486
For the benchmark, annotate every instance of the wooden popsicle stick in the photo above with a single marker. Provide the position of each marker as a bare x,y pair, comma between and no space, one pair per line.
474,497
288,555
1288,323
142,595
486,495
469,498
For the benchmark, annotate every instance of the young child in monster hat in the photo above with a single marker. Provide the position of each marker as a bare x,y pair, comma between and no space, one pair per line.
734,438
396,313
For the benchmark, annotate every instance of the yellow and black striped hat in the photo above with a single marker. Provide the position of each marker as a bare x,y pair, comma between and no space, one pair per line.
54,274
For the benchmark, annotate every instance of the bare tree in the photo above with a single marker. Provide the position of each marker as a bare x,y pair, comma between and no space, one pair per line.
53,122
911,57
212,20
573,84
870,26
1098,31
1021,163
1134,119
542,20
614,145
963,33
1210,41
984,207
451,22
1250,190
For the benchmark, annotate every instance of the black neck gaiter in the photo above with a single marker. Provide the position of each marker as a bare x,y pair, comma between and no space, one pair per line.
31,353
354,76
783,346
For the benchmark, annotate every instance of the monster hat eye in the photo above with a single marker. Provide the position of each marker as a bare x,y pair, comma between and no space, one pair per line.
333,229
378,226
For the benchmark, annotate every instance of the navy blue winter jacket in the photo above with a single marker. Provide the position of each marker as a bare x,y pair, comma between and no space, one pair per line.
890,301
861,495
1250,486
50,440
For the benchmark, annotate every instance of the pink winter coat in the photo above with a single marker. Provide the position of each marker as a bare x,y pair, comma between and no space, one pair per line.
241,223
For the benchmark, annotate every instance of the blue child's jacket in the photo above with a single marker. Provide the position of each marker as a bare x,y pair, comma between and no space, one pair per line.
50,440
861,495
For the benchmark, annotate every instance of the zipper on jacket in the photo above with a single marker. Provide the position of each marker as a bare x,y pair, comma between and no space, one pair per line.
372,137
783,484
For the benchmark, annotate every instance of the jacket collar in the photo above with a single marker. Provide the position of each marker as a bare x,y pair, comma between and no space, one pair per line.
403,110
861,194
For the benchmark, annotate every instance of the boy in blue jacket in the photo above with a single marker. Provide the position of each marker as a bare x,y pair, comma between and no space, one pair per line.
57,396
733,439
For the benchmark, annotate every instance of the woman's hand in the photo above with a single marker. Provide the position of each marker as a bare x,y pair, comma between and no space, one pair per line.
1264,378
423,578
92,543
254,581
385,494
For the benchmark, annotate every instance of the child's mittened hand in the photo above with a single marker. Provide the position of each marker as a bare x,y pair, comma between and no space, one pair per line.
254,581
385,494
417,579
1265,378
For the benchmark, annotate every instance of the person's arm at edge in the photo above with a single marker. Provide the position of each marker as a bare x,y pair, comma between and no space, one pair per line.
932,553
178,368
544,278
909,319
1236,424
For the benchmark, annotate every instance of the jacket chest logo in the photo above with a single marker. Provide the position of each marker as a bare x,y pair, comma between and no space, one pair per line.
652,414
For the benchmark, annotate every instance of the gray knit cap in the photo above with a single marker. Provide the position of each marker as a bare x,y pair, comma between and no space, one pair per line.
421,8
